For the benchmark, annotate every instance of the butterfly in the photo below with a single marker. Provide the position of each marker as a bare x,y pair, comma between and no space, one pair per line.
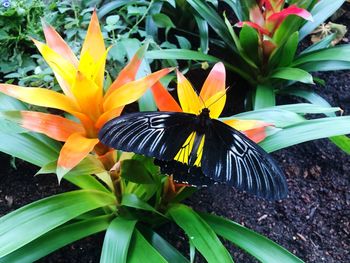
222,153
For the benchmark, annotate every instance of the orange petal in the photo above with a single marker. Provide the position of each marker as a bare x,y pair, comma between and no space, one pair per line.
60,66
94,43
253,129
76,148
54,126
215,82
56,42
163,99
256,135
108,116
88,95
40,97
132,91
129,71
189,100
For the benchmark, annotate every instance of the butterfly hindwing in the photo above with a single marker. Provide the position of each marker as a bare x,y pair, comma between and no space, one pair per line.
229,156
155,134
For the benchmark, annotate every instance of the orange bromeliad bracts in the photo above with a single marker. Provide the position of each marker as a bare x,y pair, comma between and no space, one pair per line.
83,97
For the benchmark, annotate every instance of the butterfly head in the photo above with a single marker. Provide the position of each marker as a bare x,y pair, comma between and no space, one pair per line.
205,113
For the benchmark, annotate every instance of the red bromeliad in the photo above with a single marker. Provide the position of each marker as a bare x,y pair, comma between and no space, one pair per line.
83,96
267,16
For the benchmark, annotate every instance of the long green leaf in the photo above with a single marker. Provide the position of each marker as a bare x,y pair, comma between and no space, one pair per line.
141,251
171,254
325,65
340,53
56,239
213,19
264,97
131,200
203,33
28,147
324,43
117,240
31,221
262,248
307,131
294,74
200,234
321,11
342,141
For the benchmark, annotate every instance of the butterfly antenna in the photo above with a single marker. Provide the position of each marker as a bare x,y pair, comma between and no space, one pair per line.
219,97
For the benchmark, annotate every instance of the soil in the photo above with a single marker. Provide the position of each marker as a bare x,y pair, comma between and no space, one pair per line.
313,222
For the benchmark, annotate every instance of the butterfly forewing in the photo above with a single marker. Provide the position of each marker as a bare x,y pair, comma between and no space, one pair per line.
156,134
231,157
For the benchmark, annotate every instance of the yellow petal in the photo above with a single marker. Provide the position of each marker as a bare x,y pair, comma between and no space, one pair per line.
60,66
55,41
94,43
132,91
40,97
92,69
76,148
216,104
88,95
189,100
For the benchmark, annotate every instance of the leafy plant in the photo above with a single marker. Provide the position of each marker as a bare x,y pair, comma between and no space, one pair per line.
265,54
129,200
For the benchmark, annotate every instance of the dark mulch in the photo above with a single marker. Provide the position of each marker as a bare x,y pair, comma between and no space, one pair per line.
313,222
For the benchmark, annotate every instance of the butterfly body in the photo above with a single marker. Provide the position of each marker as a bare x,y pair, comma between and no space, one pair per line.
221,153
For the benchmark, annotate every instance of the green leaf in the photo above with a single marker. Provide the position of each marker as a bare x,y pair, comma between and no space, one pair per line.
163,21
28,147
289,50
342,141
307,131
109,7
141,251
260,247
237,9
183,42
324,43
203,33
213,19
53,211
132,200
249,41
341,53
321,11
325,66
171,254
264,97
183,54
117,240
56,239
200,233
8,103
294,74
276,115
135,171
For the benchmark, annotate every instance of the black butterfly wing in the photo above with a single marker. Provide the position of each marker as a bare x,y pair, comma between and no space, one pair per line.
155,134
229,156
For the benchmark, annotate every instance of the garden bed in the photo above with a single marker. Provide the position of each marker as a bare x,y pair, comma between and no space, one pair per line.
313,222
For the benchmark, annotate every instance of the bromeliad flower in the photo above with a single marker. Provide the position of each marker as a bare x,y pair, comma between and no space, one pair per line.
212,96
83,97
267,15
